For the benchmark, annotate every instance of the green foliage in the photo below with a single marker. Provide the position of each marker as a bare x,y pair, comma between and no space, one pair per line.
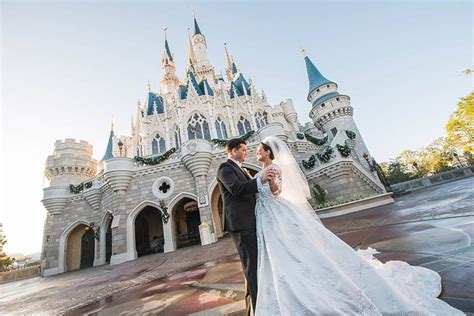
344,150
443,153
342,200
319,194
6,262
460,127
155,159
223,142
316,141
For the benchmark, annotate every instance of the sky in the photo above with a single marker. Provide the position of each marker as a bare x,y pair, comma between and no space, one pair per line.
68,67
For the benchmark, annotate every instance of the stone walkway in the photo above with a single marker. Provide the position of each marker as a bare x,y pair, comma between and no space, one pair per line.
432,227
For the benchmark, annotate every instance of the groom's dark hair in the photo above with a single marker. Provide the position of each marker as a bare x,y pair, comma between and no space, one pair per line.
234,143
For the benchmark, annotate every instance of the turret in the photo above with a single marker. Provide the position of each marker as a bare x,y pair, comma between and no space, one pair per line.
204,70
71,163
170,81
331,112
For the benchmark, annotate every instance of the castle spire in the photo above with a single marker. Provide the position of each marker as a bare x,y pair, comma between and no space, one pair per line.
191,53
196,26
315,78
167,52
109,150
231,68
228,58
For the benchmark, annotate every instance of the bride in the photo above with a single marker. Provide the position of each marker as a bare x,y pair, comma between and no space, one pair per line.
304,269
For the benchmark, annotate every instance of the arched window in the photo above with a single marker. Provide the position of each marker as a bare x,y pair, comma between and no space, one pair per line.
177,137
260,119
243,126
198,128
220,129
158,145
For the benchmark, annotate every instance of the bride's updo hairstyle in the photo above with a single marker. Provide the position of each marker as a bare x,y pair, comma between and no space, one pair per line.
268,148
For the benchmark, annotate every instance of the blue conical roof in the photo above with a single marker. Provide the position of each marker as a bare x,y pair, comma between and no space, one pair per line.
196,27
316,79
234,68
192,80
152,99
108,152
203,84
168,51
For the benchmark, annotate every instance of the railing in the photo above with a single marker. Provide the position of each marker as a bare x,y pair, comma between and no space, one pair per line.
439,178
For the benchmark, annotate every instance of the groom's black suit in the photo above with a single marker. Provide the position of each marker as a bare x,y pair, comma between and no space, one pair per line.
238,195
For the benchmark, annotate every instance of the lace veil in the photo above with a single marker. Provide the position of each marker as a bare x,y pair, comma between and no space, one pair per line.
295,187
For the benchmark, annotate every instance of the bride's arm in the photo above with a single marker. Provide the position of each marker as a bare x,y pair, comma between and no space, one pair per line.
275,183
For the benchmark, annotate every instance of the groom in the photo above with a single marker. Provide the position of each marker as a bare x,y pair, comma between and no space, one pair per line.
238,194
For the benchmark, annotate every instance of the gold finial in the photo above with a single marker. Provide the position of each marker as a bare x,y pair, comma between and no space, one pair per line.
149,86
303,51
112,125
194,13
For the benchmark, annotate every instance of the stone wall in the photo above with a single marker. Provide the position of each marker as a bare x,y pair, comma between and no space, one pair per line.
19,274
436,179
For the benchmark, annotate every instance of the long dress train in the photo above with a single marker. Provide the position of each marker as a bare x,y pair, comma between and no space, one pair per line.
304,269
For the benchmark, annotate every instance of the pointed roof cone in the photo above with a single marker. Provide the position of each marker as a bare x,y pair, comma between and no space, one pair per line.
167,48
228,58
109,150
315,78
192,80
191,53
234,69
196,26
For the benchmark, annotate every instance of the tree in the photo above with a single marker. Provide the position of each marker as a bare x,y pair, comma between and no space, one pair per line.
460,127
6,262
396,171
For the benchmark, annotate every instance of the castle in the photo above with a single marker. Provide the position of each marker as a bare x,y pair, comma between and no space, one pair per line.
156,191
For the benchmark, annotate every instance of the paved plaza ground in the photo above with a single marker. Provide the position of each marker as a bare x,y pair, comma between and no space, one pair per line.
432,228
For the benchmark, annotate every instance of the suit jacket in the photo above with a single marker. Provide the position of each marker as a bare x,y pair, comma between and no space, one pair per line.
238,196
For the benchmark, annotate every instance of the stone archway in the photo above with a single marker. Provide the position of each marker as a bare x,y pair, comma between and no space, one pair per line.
105,239
80,248
149,232
186,221
70,244
131,253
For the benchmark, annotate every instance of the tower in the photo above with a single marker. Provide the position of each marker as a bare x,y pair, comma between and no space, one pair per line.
203,68
231,68
170,81
331,112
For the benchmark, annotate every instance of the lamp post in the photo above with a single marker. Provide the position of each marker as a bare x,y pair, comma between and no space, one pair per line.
120,145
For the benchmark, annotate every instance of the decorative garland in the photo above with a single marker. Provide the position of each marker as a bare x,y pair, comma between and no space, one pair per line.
344,150
351,134
316,141
223,142
310,163
325,156
75,189
154,160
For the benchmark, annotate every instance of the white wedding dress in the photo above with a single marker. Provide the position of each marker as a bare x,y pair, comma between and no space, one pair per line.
304,269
